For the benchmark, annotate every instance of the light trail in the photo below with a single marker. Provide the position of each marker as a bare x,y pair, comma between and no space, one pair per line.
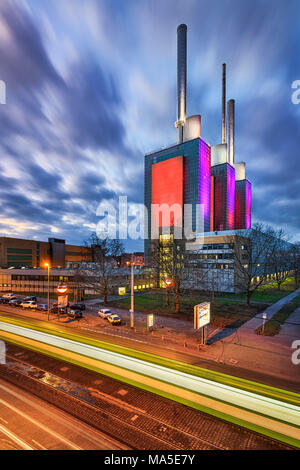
187,386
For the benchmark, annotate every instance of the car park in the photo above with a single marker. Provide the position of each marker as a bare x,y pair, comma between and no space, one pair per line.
104,313
114,320
75,313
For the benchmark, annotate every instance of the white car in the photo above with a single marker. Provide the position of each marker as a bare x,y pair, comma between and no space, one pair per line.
29,304
9,296
104,313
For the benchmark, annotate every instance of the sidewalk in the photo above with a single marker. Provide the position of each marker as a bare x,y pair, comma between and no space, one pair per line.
255,322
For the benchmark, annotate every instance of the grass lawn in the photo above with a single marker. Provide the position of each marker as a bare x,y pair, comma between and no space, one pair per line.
272,327
267,293
223,312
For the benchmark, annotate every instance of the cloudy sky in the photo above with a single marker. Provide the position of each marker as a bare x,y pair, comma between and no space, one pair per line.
91,87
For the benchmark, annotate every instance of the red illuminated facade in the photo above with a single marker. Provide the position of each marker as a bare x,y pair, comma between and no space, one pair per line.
167,188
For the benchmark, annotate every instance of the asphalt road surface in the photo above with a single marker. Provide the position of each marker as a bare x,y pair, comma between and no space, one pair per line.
29,423
155,347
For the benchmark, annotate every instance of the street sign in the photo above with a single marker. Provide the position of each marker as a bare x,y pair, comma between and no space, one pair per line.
150,321
62,301
201,315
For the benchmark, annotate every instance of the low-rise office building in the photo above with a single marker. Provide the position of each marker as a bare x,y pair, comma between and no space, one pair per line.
18,253
35,281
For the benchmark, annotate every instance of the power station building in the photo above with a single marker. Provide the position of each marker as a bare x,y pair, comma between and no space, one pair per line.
195,173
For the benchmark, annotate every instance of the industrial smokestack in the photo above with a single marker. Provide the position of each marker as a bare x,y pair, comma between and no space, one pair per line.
230,131
181,80
223,103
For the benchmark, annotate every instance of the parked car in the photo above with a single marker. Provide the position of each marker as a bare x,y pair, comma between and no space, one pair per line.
74,313
15,302
114,319
4,300
30,297
104,313
42,307
29,304
58,310
78,306
9,296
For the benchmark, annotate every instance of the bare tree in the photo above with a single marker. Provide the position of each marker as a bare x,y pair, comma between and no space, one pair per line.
99,276
295,261
252,258
172,262
280,256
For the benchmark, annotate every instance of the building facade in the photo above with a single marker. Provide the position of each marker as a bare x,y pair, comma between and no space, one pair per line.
35,281
16,252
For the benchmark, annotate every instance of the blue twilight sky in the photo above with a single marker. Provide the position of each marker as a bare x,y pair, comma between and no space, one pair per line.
91,87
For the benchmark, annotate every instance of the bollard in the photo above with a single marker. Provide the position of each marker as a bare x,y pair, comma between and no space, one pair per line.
162,338
185,344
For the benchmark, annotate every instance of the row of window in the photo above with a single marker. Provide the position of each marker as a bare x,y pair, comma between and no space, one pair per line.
217,256
19,250
15,277
218,266
222,246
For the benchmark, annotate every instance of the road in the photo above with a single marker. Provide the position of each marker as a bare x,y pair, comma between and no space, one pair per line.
133,416
262,412
29,423
151,345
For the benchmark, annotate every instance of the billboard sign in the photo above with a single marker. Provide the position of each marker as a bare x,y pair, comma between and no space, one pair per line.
201,315
62,300
150,321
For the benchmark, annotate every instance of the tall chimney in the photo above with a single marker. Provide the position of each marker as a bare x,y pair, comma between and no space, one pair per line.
223,103
230,131
181,80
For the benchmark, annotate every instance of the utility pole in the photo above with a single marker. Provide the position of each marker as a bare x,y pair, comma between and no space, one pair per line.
132,294
47,266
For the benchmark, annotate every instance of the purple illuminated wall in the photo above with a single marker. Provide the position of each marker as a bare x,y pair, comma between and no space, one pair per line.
242,204
204,182
224,196
230,197
248,204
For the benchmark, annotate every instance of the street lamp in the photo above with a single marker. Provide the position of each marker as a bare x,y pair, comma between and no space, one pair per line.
169,283
62,290
48,266
132,295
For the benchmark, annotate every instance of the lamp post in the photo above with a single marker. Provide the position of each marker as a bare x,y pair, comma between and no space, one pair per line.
169,283
132,295
48,266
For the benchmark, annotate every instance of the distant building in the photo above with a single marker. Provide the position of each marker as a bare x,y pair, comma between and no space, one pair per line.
35,281
137,257
18,252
